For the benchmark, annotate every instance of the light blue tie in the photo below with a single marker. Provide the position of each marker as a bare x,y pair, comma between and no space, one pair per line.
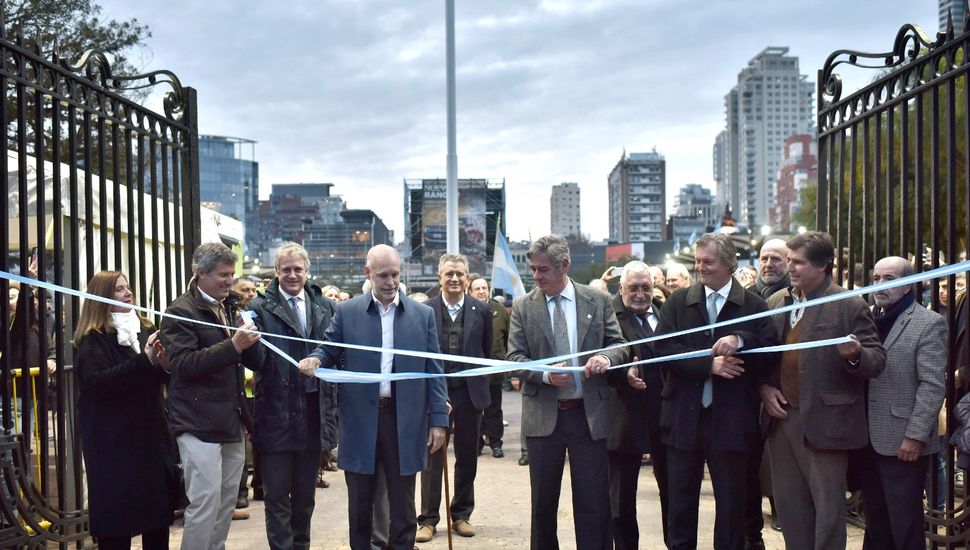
707,395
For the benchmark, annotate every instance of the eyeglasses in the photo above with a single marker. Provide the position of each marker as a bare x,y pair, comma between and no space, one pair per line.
638,289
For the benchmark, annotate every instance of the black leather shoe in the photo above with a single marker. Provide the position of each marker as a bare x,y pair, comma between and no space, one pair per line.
242,502
754,545
524,460
497,452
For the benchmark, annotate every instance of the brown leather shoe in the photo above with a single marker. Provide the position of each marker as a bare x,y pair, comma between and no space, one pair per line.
240,514
425,533
463,528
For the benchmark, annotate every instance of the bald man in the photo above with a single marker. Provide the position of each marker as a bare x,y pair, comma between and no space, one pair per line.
390,425
903,405
677,277
773,265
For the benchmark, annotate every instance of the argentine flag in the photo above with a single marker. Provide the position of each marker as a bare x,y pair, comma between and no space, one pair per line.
505,275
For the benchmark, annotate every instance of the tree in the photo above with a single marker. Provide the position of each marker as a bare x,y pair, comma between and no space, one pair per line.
77,26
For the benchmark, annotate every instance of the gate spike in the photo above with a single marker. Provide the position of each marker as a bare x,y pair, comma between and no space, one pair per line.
949,24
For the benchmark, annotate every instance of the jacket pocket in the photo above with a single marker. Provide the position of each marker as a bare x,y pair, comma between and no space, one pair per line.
901,410
838,398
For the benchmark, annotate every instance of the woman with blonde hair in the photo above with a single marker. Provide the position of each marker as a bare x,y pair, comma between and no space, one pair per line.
130,460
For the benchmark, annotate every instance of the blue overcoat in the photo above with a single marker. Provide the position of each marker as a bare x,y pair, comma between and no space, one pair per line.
419,403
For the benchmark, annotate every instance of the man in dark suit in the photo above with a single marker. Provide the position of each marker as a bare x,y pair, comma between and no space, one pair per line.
464,328
492,417
710,405
817,396
903,405
384,425
290,410
565,410
635,409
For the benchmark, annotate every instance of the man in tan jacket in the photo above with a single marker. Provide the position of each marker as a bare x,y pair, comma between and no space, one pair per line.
816,397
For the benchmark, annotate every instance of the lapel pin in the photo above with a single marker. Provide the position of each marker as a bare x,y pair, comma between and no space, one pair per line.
589,316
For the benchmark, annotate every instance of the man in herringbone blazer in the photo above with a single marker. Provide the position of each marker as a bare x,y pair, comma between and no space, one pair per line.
903,405
565,411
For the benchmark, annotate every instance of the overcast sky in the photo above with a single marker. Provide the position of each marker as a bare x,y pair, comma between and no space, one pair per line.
353,92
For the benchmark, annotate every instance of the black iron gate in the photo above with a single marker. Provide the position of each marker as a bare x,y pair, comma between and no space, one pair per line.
90,181
892,180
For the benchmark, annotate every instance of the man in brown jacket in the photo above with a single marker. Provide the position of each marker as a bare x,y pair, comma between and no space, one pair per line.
816,397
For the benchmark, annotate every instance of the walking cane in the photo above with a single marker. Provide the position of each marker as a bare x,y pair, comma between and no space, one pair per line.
444,459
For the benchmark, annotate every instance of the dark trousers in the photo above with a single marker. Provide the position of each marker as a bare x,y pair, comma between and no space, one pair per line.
624,473
893,492
658,458
685,469
151,540
466,424
588,472
754,519
252,461
400,491
289,485
492,427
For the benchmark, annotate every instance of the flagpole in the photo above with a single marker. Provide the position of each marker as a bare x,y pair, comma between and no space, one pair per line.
452,188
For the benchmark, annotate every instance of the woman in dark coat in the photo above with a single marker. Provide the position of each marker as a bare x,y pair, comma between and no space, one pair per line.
129,458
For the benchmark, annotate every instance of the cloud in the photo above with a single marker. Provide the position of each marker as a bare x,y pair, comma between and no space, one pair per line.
353,93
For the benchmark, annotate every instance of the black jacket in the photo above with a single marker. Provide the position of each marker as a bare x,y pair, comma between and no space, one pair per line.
476,342
280,411
128,451
205,395
735,402
634,414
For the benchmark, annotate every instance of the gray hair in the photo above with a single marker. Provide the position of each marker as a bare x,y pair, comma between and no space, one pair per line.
636,266
457,258
553,246
292,249
723,244
209,255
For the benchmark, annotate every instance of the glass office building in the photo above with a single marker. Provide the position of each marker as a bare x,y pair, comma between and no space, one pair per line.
229,177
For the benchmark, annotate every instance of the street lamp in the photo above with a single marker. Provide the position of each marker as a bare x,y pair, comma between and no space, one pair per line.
765,230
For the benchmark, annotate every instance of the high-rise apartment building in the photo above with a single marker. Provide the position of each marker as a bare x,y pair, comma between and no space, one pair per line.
638,197
564,209
956,8
799,168
771,102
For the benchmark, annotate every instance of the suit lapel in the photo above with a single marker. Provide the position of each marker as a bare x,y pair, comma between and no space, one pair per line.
469,315
584,315
898,326
541,313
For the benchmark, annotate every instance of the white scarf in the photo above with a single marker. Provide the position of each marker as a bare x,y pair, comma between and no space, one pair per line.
128,326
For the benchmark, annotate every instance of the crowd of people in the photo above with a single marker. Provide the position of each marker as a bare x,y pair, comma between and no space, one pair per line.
165,415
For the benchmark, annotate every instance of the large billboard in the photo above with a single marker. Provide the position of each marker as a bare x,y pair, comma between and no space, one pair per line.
471,223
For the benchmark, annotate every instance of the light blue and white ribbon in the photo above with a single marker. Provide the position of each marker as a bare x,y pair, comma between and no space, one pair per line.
494,366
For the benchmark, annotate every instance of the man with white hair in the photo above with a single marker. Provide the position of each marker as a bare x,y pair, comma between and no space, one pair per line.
635,408
677,277
658,276
291,411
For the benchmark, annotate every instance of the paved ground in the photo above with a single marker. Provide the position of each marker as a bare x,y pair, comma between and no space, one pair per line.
501,513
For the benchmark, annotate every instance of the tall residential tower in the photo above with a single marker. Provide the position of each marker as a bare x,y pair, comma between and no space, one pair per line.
771,102
638,197
564,209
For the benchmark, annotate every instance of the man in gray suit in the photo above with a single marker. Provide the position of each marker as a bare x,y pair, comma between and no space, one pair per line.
903,406
565,411
817,397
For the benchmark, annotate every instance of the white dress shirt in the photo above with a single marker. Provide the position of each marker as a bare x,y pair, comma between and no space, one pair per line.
453,309
387,338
